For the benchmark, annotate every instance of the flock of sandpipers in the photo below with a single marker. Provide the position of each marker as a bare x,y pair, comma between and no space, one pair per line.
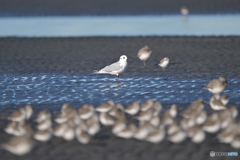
140,121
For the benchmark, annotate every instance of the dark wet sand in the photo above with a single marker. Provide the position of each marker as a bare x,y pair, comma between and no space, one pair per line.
190,57
109,7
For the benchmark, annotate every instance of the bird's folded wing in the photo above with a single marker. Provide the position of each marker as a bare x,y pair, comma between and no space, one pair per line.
112,68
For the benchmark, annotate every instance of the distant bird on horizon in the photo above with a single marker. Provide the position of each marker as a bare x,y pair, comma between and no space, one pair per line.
144,53
115,68
184,10
216,86
164,63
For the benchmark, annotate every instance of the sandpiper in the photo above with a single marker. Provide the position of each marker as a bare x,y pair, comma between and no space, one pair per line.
184,123
212,124
236,142
155,121
189,111
201,117
106,119
25,128
216,104
69,133
116,110
43,135
94,118
232,125
18,115
71,113
28,111
225,118
66,108
82,127
61,118
93,127
133,109
146,105
172,112
128,132
173,128
144,53
227,136
157,107
167,120
83,137
105,107
184,10
60,129
12,127
43,115
86,111
143,131
157,135
76,119
119,126
234,112
43,125
164,63
177,136
191,121
224,99
19,145
194,108
146,115
16,128
216,85
196,134
217,96
197,104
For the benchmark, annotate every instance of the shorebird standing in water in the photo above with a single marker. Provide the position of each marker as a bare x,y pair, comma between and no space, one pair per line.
164,63
216,86
184,11
144,53
115,68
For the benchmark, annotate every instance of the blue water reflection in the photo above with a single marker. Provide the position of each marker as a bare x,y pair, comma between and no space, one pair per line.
95,89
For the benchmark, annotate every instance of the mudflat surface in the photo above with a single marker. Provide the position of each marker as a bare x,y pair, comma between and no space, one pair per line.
189,56
191,59
109,7
56,70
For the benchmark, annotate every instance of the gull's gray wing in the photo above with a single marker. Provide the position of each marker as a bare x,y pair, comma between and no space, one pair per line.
113,67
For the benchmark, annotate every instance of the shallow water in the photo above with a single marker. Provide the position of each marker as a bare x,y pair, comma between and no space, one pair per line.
148,25
95,89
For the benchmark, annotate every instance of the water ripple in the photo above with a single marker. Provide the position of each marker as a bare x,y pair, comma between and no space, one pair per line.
58,88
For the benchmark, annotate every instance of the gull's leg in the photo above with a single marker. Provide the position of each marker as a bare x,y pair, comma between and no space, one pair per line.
144,63
118,78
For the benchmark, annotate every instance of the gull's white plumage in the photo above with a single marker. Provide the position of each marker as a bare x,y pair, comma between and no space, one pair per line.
115,68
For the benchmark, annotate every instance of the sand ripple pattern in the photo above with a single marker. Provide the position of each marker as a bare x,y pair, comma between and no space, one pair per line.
93,89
